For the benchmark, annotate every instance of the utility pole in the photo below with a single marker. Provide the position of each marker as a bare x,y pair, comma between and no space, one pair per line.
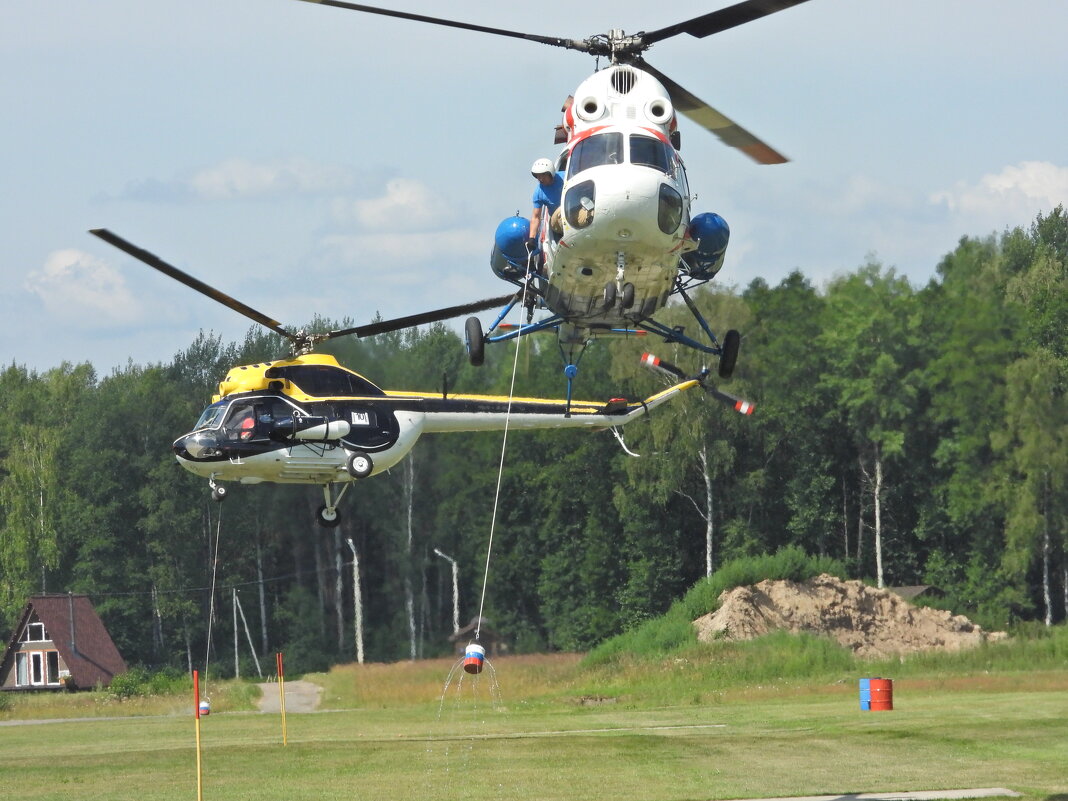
455,590
357,603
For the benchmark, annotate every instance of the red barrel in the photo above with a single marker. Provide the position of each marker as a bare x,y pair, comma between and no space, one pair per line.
882,694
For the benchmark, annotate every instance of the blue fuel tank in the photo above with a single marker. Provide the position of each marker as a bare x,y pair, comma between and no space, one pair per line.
712,234
509,256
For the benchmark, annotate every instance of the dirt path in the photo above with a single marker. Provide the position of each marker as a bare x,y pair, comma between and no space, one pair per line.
301,696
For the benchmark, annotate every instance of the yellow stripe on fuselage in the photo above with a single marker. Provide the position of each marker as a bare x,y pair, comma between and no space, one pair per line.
579,406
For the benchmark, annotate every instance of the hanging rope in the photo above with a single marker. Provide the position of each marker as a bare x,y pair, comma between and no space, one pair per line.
211,596
531,259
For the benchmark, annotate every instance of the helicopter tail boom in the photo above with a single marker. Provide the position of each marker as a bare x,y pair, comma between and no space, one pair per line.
490,413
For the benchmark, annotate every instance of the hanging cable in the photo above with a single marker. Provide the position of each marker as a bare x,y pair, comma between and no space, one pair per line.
211,595
531,266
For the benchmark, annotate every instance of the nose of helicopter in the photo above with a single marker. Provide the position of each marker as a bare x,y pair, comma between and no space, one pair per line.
197,445
628,203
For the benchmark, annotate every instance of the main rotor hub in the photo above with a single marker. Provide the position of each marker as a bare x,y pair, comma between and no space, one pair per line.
617,45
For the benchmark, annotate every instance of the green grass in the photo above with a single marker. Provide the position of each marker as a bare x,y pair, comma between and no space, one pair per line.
777,717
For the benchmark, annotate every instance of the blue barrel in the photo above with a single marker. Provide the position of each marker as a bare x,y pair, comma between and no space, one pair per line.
508,259
865,695
712,234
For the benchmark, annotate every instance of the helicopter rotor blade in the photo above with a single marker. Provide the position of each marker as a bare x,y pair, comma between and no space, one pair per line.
728,131
570,44
173,272
721,20
423,318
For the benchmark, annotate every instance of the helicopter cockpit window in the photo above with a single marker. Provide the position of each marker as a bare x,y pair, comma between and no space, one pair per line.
323,381
649,152
606,148
210,417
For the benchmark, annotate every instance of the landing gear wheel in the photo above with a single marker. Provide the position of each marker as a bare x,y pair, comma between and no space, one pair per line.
729,355
218,494
628,295
476,344
327,517
609,294
359,465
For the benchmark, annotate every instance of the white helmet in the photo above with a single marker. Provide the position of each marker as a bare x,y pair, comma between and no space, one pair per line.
540,167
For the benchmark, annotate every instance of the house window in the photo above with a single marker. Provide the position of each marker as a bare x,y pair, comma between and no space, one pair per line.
36,668
35,632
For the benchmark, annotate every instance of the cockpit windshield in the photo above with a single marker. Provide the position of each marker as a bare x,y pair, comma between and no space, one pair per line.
210,417
649,152
606,148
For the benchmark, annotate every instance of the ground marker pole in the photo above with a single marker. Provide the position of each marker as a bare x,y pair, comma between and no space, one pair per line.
196,712
282,695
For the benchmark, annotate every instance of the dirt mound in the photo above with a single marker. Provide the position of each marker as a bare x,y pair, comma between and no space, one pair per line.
871,622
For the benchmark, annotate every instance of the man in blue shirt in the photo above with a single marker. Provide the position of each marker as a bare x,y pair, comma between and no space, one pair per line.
546,196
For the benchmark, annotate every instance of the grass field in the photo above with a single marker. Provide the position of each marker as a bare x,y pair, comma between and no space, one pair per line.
549,728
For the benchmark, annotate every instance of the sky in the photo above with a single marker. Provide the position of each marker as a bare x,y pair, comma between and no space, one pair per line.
310,160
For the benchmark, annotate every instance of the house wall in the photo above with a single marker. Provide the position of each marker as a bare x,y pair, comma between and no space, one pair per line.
35,664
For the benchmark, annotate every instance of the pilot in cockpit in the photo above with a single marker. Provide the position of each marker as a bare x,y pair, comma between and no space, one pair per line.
242,424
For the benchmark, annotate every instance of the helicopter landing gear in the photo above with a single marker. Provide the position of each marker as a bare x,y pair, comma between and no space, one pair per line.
476,342
609,295
359,465
624,289
218,493
327,516
729,355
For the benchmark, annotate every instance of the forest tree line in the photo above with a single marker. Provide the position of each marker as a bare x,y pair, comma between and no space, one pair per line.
917,434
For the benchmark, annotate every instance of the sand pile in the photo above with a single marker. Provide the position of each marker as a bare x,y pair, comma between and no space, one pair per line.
873,623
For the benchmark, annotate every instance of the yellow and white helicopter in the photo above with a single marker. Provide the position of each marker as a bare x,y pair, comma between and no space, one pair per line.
623,240
306,419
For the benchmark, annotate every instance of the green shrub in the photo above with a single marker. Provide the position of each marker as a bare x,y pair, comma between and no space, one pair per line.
139,682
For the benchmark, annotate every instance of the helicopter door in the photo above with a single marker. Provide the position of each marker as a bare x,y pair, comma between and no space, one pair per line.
240,425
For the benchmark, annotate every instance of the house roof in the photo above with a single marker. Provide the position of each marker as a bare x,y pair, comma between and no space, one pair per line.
78,634
477,623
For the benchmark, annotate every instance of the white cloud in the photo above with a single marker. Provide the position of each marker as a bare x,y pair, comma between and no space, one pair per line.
240,178
406,205
1018,192
81,288
381,254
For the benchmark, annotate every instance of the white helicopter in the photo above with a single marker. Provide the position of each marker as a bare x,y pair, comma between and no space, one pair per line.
306,419
623,240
